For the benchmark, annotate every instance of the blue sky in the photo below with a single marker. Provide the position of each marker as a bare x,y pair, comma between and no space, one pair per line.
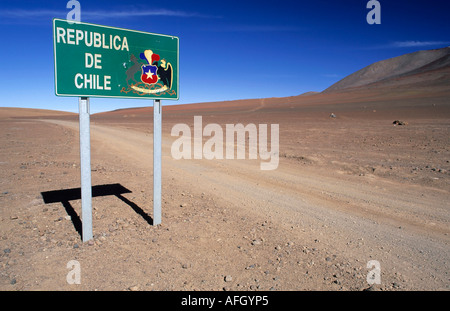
228,49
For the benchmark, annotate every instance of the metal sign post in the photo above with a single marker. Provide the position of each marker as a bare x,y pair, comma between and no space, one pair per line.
85,162
101,61
156,162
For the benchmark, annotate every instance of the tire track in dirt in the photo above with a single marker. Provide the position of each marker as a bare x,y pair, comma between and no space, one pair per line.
405,230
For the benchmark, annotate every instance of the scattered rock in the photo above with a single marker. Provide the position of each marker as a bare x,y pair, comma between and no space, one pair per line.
399,122
228,278
7,250
256,242
332,115
134,288
395,285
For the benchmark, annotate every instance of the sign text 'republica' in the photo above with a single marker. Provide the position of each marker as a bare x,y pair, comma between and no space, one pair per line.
100,61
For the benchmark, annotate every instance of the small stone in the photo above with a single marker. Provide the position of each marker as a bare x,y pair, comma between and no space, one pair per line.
256,242
228,278
7,250
13,281
134,288
76,246
185,266
91,242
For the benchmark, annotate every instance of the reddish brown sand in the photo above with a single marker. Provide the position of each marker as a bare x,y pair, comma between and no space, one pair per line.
347,190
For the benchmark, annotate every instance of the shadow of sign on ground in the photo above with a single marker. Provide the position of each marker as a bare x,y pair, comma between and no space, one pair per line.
65,195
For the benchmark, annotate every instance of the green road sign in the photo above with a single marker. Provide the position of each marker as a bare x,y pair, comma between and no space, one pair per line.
100,61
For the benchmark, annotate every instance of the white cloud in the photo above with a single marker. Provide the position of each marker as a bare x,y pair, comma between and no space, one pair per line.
20,15
30,13
254,28
407,44
136,13
331,75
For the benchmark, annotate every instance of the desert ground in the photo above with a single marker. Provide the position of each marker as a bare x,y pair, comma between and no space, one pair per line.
348,190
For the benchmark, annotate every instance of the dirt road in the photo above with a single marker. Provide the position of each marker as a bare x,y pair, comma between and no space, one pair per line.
314,223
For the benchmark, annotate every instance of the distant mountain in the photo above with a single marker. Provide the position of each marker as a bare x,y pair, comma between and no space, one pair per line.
421,68
309,93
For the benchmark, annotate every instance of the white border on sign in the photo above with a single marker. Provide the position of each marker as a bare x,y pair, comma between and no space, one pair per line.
106,96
